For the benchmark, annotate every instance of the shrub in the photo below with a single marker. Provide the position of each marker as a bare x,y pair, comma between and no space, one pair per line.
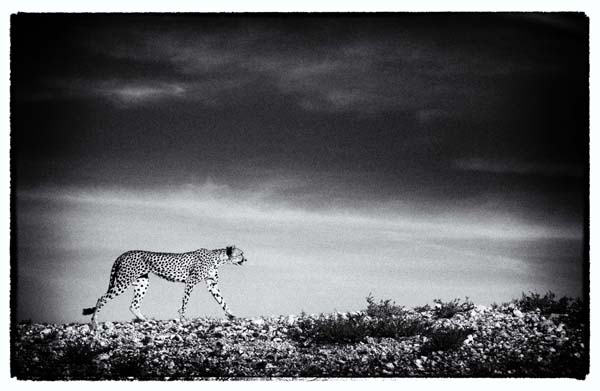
444,339
332,329
547,304
573,310
385,309
397,328
576,313
382,320
449,309
422,308
80,352
130,365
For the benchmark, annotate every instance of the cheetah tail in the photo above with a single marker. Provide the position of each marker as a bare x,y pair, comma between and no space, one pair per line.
89,311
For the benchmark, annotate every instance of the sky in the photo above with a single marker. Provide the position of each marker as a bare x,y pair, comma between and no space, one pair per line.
411,156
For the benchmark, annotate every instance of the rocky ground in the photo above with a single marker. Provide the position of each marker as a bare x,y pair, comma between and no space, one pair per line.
481,342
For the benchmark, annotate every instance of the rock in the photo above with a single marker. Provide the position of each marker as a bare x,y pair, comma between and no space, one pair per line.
190,338
468,340
289,347
481,308
548,325
258,322
177,338
419,363
290,320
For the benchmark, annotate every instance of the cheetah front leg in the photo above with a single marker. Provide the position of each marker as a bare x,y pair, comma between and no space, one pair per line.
213,288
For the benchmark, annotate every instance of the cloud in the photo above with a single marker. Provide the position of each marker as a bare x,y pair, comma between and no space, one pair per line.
133,92
140,93
367,74
267,207
513,166
323,69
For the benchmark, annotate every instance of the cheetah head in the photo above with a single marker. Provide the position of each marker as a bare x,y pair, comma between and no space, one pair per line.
236,255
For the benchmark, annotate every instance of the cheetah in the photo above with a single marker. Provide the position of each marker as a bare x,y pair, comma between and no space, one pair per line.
189,268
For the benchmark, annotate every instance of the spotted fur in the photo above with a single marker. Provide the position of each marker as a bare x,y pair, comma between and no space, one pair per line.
134,267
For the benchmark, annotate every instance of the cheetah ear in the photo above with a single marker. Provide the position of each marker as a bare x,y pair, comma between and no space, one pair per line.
229,251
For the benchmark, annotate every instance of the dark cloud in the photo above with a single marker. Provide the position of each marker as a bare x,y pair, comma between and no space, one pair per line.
417,106
518,167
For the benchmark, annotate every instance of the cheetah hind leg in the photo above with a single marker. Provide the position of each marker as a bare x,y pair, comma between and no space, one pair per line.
140,288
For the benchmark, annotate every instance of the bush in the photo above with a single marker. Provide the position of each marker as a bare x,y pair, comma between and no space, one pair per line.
422,308
78,353
130,365
397,328
385,309
451,308
444,339
333,329
382,320
354,328
547,304
572,310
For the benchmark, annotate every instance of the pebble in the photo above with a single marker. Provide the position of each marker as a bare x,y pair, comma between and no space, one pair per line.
258,322
268,346
290,320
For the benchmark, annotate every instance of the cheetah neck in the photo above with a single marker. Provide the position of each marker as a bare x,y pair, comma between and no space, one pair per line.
221,255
